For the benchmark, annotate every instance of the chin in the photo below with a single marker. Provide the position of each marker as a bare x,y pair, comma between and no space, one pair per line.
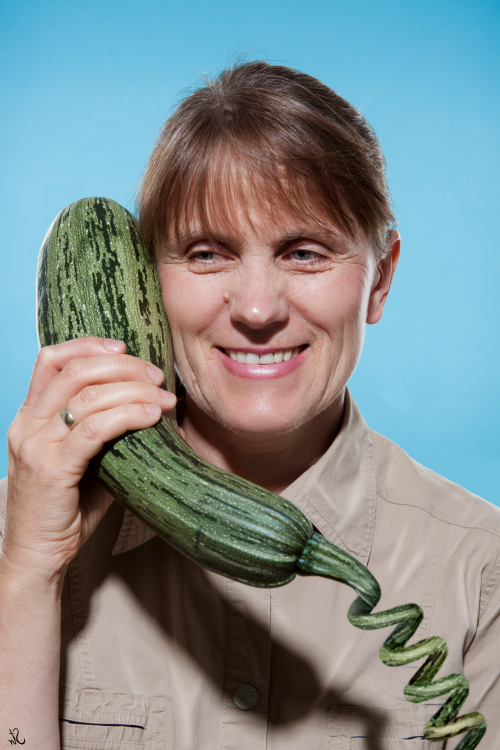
269,425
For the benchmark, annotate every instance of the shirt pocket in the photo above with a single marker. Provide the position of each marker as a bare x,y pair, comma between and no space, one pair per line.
92,720
358,728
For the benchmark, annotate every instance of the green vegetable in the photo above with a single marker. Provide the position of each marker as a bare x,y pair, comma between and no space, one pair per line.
95,278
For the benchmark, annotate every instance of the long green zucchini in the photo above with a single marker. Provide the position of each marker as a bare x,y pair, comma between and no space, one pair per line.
95,278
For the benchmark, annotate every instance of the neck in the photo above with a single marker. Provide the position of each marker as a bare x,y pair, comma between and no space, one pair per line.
271,461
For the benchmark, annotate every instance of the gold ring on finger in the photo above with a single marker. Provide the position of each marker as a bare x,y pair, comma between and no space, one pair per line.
68,418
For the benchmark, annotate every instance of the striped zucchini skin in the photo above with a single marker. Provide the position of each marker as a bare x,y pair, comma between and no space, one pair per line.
96,279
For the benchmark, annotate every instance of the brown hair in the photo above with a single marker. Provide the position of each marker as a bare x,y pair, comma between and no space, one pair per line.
278,133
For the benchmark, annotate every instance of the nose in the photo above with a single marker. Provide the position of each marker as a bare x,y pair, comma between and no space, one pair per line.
257,300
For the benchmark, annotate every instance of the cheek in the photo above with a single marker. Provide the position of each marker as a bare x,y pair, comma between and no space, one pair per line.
189,303
172,293
339,308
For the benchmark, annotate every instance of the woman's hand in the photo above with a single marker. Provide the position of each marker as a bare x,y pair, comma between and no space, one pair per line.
50,510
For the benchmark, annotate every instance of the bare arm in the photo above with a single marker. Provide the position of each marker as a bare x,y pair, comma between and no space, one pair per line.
30,624
49,515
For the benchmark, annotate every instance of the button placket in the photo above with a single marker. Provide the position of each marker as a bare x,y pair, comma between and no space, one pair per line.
247,668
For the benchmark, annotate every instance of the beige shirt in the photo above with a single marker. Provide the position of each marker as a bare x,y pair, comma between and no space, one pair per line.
154,647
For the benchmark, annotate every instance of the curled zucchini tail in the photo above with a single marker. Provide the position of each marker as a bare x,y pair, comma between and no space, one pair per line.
321,558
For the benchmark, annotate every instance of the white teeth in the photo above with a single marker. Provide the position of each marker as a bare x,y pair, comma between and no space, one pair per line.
249,358
265,359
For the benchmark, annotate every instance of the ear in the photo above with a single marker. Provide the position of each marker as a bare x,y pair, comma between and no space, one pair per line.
383,279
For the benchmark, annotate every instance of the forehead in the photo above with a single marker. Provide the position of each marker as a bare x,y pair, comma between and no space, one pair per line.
230,199
269,227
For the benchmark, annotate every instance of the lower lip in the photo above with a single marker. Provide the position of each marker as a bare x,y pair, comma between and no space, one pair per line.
262,372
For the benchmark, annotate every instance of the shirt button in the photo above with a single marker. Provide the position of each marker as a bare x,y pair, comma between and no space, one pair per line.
245,697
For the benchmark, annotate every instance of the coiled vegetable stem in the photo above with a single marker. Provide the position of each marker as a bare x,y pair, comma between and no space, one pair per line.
322,558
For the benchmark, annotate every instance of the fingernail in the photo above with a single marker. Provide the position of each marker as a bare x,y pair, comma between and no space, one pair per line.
155,374
153,409
169,397
112,345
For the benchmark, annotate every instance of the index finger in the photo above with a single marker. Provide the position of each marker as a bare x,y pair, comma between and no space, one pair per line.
52,359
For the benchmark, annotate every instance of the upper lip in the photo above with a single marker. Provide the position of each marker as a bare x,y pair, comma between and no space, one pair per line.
261,351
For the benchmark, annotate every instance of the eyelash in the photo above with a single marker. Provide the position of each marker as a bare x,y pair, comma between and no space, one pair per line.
314,257
195,255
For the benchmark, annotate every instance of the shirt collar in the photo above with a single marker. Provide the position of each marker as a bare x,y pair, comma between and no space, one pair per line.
338,493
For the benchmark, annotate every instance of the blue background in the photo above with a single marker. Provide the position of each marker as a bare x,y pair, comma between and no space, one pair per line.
87,85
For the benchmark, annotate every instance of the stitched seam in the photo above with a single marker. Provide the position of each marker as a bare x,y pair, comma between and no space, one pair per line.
226,671
299,488
72,583
429,598
407,732
274,595
269,619
385,711
78,575
99,716
441,516
491,583
438,576
164,720
90,656
119,743
105,695
370,531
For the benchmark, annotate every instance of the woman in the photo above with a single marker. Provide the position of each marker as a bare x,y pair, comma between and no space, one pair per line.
266,204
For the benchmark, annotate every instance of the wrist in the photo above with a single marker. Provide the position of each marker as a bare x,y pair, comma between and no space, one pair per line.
28,573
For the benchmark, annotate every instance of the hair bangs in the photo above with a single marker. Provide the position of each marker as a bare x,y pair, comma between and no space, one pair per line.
226,182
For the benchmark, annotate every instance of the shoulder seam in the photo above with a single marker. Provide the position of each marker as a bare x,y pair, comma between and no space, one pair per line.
393,497
489,588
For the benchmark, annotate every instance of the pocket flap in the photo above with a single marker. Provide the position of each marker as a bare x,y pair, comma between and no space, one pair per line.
93,707
365,727
110,721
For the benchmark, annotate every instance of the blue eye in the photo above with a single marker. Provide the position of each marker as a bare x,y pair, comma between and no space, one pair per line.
305,255
204,255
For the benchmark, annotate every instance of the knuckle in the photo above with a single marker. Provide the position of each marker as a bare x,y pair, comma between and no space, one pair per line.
90,428
127,363
45,356
89,396
72,370
14,436
28,455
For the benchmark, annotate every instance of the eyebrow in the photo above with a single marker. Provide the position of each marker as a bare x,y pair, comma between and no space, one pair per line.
204,234
302,233
310,233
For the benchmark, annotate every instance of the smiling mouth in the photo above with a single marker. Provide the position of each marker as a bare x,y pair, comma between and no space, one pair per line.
270,358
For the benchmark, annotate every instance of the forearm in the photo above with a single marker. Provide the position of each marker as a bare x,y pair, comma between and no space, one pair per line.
30,633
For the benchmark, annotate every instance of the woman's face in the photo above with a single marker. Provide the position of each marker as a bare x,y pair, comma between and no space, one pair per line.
268,319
